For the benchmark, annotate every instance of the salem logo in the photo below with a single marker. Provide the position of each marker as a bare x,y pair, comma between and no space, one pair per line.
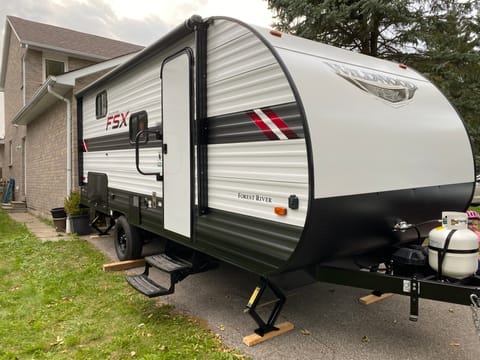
393,90
117,121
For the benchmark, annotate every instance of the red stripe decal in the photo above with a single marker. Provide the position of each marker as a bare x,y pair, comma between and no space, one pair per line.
85,147
289,133
262,126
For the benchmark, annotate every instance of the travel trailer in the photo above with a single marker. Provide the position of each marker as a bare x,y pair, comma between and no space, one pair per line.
277,154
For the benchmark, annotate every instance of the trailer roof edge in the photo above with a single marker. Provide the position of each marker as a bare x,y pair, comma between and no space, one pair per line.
187,27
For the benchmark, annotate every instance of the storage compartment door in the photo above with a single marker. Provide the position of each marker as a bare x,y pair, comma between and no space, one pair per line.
177,106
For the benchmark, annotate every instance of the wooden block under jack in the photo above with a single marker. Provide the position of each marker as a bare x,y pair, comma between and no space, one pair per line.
254,339
98,236
124,265
370,299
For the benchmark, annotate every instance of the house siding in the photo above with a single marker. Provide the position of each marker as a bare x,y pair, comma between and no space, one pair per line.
46,161
74,64
47,157
33,73
39,150
13,103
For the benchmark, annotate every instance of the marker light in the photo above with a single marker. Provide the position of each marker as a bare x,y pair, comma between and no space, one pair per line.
276,33
281,211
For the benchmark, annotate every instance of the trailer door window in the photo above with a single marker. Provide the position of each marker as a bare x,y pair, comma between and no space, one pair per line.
138,122
101,105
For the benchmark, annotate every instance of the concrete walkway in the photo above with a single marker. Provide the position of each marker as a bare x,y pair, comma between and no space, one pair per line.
43,231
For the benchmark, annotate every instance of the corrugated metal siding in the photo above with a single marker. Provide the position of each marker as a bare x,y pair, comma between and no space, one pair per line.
257,245
253,178
138,91
242,73
239,126
119,165
133,92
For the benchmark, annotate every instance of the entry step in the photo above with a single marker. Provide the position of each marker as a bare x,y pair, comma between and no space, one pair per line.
143,284
178,269
167,264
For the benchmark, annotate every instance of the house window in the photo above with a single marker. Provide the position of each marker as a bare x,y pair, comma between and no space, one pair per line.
138,122
53,67
101,105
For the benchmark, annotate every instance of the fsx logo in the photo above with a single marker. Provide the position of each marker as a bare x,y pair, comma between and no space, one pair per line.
117,121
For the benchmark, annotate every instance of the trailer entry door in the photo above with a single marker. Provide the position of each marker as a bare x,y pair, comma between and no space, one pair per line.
177,114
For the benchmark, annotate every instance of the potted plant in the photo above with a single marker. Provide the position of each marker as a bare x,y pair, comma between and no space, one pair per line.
59,219
77,215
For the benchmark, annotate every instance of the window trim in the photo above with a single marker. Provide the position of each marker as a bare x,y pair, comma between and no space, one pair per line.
104,109
130,127
53,57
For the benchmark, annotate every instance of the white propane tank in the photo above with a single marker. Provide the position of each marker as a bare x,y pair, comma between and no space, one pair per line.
453,246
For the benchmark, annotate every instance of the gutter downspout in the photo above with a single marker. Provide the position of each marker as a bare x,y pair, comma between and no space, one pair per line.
69,137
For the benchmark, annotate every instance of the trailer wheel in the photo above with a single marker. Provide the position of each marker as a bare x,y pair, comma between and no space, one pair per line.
128,244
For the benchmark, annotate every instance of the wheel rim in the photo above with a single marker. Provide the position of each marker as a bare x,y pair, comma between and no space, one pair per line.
122,242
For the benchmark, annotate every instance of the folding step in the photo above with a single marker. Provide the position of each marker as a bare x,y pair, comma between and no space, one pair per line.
167,264
143,284
177,268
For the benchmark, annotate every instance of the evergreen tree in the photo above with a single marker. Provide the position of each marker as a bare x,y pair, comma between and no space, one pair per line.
372,27
448,53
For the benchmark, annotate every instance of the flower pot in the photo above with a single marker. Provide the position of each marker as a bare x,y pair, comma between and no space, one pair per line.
58,213
80,224
60,224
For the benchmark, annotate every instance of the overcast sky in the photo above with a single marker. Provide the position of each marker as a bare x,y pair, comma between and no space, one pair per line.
138,21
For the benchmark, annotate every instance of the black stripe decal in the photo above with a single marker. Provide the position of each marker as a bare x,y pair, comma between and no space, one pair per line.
224,129
454,251
119,141
109,142
240,127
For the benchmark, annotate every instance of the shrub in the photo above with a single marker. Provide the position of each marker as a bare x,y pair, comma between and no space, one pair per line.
72,204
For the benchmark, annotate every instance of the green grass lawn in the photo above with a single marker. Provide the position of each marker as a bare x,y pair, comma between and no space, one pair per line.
57,303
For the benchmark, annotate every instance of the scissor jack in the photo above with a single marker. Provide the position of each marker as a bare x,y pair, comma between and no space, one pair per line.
269,325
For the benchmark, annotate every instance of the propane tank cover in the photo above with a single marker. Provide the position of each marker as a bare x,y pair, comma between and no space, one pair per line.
460,257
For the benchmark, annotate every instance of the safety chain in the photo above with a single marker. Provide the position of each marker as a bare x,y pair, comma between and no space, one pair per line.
475,306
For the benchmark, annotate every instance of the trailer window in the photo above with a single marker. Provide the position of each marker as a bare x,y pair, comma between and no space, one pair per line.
138,122
101,105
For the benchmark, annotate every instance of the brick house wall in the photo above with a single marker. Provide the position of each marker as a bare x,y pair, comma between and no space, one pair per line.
14,135
46,153
33,73
46,160
35,155
44,186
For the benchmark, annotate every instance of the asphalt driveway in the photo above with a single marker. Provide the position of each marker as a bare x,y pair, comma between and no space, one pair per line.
330,323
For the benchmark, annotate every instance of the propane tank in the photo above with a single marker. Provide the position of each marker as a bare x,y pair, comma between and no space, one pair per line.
453,248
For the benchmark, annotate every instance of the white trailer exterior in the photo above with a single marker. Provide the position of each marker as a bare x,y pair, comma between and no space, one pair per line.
273,152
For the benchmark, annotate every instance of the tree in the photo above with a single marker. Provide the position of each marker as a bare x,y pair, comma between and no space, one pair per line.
448,53
372,27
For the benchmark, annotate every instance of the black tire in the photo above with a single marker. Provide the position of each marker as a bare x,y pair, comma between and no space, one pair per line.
127,240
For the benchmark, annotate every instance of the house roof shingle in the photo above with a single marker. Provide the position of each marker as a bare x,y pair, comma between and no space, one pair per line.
70,41
54,38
